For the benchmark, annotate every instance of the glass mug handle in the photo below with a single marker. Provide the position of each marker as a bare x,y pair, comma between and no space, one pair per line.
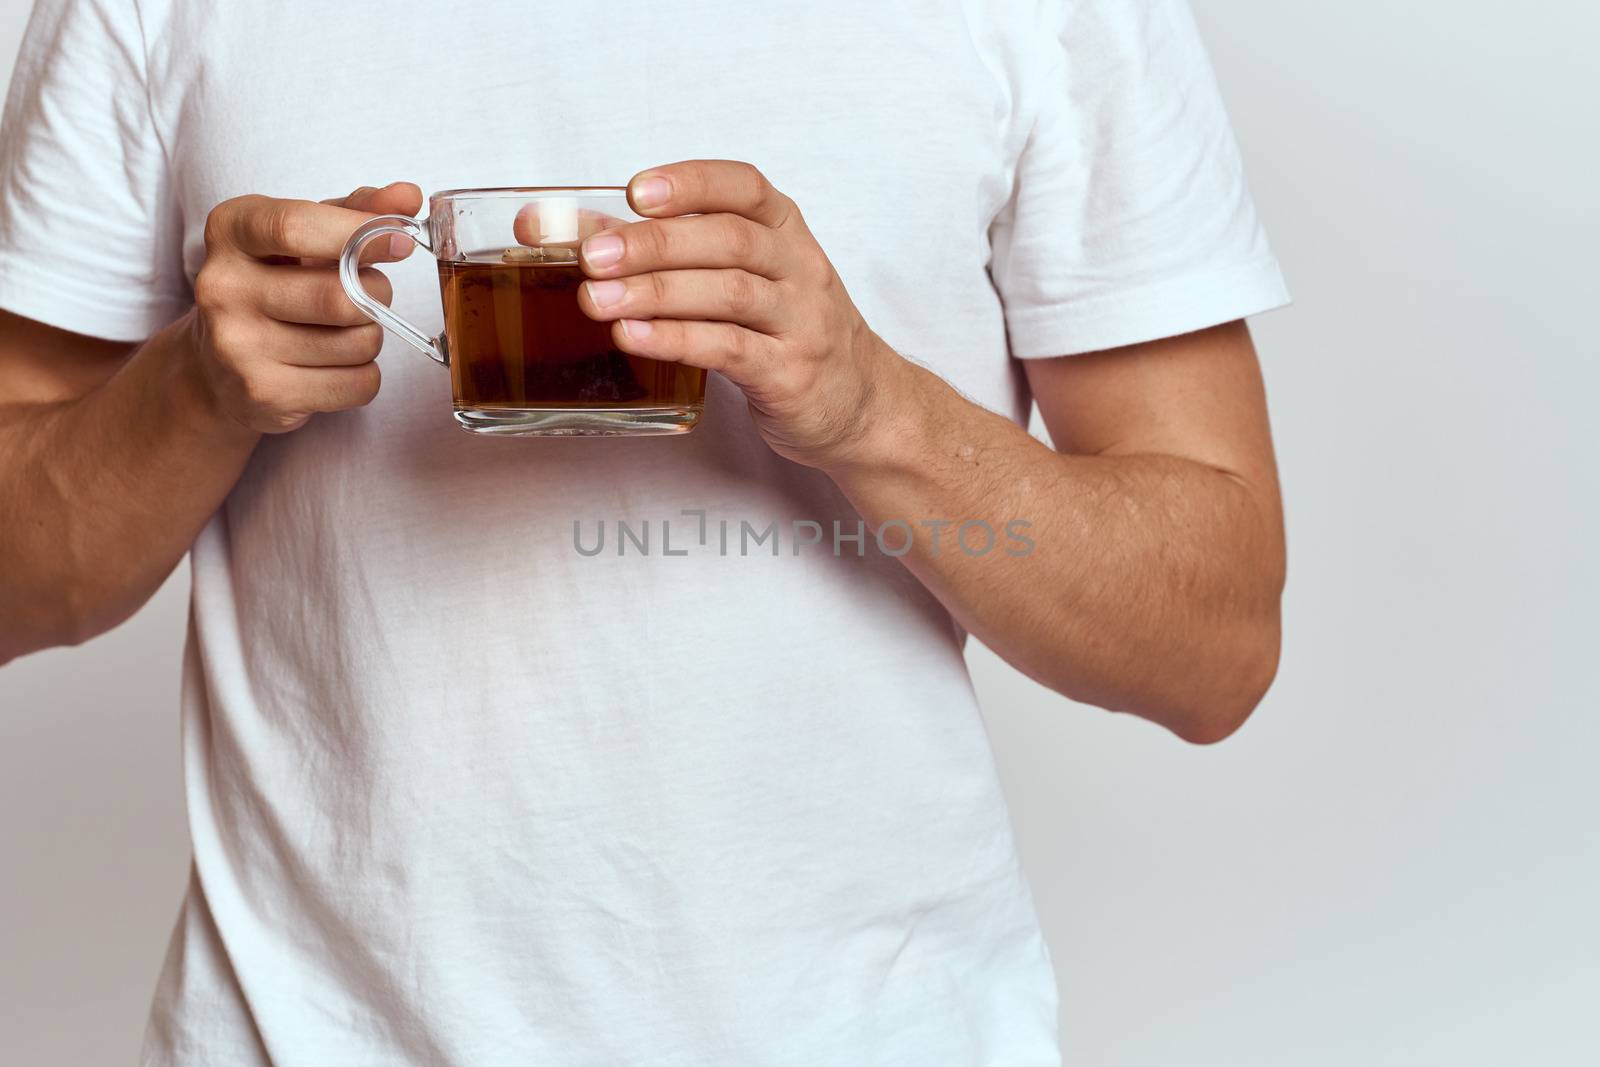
350,278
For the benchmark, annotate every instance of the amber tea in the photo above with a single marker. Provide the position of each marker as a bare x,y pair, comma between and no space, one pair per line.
518,342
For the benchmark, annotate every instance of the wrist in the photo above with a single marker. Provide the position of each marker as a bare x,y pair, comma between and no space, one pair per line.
893,425
193,399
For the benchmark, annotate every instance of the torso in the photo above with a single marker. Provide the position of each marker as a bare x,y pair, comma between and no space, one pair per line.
461,794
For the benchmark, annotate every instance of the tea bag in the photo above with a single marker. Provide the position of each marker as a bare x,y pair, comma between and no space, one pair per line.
542,254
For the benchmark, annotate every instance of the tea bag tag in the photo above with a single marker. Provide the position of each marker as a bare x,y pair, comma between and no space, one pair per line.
549,231
558,221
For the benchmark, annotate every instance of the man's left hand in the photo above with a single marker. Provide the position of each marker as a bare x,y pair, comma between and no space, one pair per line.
741,287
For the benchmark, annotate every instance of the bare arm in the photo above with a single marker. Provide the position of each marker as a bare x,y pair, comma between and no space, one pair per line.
1157,563
113,456
1154,583
109,465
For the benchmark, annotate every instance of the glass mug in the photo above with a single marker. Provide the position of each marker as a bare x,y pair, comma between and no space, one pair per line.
524,359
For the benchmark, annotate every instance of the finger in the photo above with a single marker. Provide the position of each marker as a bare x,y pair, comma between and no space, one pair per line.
396,198
559,222
289,392
262,226
333,388
729,295
309,294
721,239
720,346
300,345
345,201
707,185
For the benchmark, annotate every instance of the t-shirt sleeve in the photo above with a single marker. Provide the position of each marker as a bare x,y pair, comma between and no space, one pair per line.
88,232
1129,218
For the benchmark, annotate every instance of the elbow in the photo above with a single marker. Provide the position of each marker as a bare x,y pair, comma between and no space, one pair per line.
68,619
1206,694
36,632
21,636
1242,679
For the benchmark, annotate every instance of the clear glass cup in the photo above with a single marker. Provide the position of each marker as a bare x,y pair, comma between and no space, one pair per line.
524,359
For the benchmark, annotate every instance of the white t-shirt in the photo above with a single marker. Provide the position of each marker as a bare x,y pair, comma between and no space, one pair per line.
462,794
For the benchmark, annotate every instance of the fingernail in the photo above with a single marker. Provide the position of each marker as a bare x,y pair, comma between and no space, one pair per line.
602,250
636,329
650,192
399,246
606,293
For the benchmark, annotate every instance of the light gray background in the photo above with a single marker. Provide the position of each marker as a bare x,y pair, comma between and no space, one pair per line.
1397,862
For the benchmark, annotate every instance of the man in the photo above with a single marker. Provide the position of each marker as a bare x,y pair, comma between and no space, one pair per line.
460,794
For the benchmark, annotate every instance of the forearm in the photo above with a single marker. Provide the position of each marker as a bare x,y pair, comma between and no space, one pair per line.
100,496
1152,581
1156,567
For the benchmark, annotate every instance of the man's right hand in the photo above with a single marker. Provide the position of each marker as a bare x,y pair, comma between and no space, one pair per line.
275,337
115,456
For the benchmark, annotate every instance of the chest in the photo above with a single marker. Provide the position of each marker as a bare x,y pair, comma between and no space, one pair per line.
882,120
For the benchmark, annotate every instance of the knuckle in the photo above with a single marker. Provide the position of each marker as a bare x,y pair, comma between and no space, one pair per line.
660,289
214,228
364,383
748,172
228,337
332,305
367,341
655,242
760,189
738,290
219,220
735,345
377,285
739,238
282,225
212,287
